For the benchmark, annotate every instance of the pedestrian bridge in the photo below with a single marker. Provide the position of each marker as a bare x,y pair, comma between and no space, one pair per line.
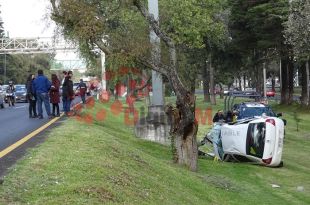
34,45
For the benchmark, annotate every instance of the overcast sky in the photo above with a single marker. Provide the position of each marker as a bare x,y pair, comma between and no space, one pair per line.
26,18
29,18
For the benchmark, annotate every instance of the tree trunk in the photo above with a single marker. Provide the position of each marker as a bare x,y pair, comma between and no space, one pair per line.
213,100
284,81
257,79
244,81
193,85
290,82
273,83
184,134
240,83
205,82
308,80
221,91
304,84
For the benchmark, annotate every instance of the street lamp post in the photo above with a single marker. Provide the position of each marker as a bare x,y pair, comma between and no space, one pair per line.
157,83
4,72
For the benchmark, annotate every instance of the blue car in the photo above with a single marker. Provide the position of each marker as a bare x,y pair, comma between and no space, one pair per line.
247,110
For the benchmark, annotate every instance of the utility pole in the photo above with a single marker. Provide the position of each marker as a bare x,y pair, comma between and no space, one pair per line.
157,83
265,88
103,73
4,73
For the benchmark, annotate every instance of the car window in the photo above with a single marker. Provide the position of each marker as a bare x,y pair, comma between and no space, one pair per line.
247,112
256,139
20,88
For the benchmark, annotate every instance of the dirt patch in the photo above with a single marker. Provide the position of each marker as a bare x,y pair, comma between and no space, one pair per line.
98,192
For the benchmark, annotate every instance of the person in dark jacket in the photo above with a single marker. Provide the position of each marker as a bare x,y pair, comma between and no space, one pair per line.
41,86
82,90
54,95
67,93
31,97
219,116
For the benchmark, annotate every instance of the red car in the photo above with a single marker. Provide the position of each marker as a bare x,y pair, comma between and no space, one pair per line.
270,93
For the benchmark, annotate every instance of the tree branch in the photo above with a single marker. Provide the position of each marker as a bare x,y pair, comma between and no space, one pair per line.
101,45
55,9
154,24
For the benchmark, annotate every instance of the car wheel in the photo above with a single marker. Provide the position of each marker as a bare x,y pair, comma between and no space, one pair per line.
2,106
281,164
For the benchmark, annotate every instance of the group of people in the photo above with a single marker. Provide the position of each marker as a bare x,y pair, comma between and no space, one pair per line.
230,116
40,90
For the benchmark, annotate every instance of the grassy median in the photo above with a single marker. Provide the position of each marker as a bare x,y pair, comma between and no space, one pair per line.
101,162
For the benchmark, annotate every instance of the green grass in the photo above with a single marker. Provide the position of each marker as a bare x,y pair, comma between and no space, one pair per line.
103,162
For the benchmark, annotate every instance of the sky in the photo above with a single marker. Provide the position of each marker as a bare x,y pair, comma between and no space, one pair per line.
25,18
29,18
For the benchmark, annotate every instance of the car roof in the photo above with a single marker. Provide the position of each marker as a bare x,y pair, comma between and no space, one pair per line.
253,104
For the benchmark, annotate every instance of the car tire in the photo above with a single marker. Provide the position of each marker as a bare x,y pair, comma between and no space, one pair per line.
2,106
280,165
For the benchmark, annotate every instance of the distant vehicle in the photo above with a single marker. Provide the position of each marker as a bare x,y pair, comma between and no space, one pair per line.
20,93
75,90
270,93
2,96
226,92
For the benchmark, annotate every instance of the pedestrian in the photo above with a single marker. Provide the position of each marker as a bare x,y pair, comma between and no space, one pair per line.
42,86
31,97
67,92
82,90
54,95
65,73
10,92
219,116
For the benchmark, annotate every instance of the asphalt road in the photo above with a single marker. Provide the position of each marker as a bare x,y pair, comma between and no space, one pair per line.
16,124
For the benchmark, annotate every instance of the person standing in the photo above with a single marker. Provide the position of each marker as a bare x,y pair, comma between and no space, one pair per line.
219,116
65,73
54,95
82,90
42,86
67,93
10,92
31,97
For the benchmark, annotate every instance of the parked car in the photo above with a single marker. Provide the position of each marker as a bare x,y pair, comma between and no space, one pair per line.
2,96
20,93
270,93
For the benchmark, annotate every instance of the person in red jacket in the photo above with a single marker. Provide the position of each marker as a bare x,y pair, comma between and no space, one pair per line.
54,95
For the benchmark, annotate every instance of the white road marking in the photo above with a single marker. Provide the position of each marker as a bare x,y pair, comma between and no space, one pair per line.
20,107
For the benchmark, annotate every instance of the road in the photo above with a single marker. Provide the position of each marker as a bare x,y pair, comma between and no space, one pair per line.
16,124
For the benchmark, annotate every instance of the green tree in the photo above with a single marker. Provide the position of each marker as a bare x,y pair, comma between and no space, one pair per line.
297,34
121,30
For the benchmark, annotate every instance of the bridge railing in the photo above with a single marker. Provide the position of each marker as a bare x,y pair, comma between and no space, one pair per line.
33,45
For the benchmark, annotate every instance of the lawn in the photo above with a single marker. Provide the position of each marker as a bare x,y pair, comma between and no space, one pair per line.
102,162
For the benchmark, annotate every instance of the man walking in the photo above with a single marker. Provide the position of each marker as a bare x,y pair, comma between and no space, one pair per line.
41,87
67,93
82,90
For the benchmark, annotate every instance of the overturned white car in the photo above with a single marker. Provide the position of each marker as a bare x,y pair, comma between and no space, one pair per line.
255,136
258,140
